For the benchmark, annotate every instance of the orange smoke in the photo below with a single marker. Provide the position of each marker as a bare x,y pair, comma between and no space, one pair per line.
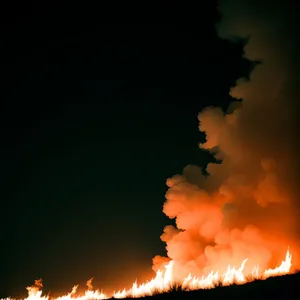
246,206
235,222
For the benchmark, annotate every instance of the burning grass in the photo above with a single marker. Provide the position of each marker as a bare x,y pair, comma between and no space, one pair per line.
165,282
287,286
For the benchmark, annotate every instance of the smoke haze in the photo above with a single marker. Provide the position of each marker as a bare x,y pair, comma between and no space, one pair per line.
247,205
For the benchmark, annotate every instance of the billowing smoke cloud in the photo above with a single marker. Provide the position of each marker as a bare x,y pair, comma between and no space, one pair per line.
246,205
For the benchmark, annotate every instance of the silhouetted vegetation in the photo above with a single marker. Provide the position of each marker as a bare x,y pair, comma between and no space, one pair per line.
282,287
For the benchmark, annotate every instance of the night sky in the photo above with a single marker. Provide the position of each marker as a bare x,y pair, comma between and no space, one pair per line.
94,118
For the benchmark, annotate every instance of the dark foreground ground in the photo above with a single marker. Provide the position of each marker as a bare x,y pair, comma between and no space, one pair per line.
283,287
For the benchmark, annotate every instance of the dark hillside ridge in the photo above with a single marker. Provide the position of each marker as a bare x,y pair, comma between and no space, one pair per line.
281,287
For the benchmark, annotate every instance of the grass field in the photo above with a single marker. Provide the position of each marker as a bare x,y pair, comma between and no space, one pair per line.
282,287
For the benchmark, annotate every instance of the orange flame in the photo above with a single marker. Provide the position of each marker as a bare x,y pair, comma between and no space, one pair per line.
164,281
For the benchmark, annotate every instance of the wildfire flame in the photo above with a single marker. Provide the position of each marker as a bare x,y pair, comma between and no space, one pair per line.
164,281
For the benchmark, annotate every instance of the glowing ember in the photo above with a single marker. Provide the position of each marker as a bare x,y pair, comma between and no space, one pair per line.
164,281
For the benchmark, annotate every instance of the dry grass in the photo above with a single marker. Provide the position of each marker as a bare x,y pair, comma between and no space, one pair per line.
282,287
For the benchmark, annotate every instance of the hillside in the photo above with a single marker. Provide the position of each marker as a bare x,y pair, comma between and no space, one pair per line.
282,287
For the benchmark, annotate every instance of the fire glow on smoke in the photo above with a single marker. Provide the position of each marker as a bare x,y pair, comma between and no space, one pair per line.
234,221
164,280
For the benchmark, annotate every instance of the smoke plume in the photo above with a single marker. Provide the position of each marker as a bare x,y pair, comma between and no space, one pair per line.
247,204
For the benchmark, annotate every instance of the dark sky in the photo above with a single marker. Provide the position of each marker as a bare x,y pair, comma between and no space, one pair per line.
94,118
